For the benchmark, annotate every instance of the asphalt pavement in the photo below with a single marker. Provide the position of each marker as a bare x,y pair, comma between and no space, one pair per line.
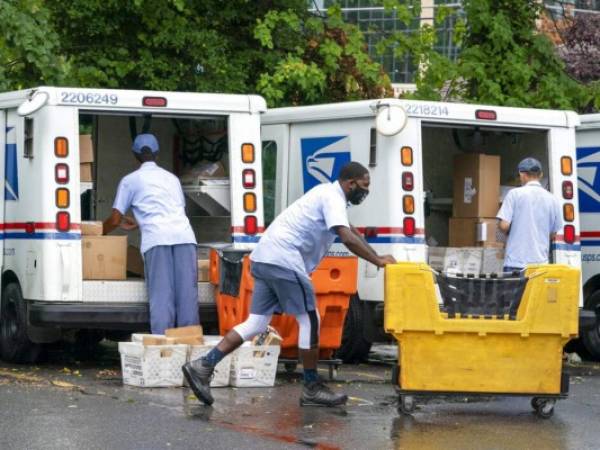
76,400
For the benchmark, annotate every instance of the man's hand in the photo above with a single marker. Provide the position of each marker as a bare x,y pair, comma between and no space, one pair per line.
385,260
128,223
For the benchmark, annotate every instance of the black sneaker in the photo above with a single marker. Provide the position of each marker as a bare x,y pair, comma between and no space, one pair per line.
198,377
318,394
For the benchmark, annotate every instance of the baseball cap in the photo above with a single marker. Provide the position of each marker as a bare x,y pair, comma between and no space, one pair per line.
530,165
145,140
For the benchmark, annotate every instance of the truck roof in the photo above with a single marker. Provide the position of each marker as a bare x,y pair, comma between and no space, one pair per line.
589,121
435,111
100,99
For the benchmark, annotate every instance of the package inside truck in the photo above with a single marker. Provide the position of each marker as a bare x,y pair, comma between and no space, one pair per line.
194,148
467,171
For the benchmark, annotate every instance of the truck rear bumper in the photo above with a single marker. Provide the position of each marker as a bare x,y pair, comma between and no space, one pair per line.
109,316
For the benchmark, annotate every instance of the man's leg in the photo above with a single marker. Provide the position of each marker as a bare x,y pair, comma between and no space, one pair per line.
314,391
185,273
199,372
158,264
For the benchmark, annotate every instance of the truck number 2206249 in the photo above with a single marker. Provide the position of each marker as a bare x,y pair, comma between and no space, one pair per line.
89,98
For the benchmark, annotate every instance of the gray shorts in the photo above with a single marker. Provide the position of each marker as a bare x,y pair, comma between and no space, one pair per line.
279,290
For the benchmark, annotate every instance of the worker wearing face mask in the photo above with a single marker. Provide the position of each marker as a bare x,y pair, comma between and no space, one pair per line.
289,251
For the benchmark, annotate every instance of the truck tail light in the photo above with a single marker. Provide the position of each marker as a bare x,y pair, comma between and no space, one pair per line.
408,182
157,102
566,165
249,202
62,198
569,232
248,179
250,225
408,204
409,226
63,221
406,155
568,212
248,153
61,173
61,147
485,114
567,190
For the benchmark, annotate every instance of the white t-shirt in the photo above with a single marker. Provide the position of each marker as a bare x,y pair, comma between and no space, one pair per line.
156,199
301,235
534,214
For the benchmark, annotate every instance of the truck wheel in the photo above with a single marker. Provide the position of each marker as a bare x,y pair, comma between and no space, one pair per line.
15,346
591,337
355,348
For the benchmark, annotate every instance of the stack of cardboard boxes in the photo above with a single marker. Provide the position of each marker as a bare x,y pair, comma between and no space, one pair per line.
86,158
475,243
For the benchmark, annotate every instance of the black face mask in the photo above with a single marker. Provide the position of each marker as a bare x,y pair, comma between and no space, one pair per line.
357,195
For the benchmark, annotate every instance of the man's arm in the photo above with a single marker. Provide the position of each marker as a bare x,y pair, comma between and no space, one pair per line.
360,248
116,220
364,241
504,226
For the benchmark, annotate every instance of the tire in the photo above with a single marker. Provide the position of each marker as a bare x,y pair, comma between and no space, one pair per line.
544,408
355,348
15,345
406,404
591,338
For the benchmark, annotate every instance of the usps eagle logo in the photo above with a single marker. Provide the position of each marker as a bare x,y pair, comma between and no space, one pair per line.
323,158
11,183
588,164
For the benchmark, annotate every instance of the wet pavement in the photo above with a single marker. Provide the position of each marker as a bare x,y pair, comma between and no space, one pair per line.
75,401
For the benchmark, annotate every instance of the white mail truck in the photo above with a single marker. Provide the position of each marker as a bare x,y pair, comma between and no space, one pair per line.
211,141
409,147
588,165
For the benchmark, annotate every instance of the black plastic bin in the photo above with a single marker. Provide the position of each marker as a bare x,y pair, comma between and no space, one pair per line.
487,296
230,270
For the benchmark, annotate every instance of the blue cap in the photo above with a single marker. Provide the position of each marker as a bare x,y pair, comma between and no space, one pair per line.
530,165
145,140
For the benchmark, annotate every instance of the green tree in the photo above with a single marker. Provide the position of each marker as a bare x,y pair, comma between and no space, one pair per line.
28,46
216,46
503,59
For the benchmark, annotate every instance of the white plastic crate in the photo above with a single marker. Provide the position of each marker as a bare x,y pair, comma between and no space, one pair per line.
139,337
153,365
254,365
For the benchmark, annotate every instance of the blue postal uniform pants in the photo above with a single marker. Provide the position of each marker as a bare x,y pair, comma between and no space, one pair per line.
172,281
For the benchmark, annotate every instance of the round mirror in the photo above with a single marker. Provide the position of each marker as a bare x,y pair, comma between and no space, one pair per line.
30,106
390,120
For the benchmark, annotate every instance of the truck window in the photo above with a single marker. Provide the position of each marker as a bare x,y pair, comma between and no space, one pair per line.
269,164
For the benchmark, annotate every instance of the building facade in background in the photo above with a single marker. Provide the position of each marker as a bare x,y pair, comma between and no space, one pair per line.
375,23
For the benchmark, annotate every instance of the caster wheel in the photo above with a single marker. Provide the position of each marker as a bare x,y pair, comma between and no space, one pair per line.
333,370
535,402
290,367
406,404
545,408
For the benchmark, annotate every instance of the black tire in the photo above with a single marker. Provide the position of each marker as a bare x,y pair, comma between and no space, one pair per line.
15,345
591,338
406,404
355,348
544,408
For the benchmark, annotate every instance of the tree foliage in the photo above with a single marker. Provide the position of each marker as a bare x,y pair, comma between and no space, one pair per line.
503,59
28,45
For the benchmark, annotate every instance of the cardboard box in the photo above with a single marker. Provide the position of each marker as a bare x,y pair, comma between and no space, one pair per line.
269,337
192,330
493,260
86,150
203,270
157,340
466,260
91,228
476,185
474,232
104,257
85,172
135,262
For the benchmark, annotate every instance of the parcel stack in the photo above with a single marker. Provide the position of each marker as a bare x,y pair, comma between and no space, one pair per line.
155,360
476,245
